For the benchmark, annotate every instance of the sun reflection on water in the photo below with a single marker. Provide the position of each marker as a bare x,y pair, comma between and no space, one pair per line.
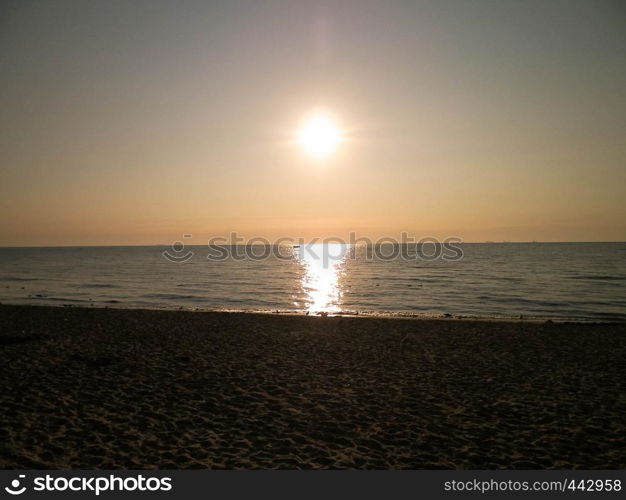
323,267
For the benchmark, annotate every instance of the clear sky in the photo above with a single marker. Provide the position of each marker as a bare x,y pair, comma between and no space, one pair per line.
133,122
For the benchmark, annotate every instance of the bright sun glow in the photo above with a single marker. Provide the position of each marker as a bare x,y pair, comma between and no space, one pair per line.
319,136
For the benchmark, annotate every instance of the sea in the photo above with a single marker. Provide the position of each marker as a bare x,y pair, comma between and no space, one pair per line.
556,281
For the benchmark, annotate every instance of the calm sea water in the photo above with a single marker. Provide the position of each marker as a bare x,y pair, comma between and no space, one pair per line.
537,280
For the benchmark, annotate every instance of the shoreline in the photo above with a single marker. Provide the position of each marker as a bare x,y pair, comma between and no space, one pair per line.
338,314
109,388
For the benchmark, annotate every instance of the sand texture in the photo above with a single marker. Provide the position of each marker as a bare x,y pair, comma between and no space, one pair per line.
108,388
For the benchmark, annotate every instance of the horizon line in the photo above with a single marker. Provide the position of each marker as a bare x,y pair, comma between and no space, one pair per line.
486,242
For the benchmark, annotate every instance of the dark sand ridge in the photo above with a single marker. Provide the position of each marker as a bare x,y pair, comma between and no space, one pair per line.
111,388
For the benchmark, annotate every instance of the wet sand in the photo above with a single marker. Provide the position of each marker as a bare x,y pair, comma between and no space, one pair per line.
112,388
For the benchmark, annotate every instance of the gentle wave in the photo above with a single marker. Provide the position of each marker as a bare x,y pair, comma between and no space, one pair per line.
545,281
599,278
98,285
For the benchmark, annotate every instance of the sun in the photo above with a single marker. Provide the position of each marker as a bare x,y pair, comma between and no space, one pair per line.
319,136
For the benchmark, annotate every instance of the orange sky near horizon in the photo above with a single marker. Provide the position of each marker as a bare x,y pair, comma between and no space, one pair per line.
131,124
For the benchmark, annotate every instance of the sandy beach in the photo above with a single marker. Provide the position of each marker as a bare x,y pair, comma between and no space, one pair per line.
113,388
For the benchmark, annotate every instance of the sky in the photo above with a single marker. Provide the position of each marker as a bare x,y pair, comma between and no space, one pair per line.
134,122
